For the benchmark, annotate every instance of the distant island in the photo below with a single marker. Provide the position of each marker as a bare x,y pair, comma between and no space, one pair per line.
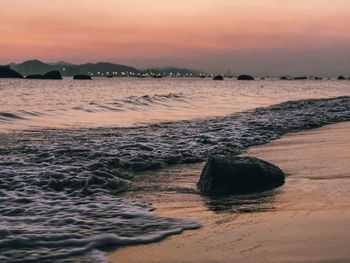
100,69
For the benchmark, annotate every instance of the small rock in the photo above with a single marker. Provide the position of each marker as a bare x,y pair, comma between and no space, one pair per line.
35,76
245,77
52,75
285,78
82,77
218,77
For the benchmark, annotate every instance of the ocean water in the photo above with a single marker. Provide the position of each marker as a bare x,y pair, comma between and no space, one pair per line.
133,102
69,149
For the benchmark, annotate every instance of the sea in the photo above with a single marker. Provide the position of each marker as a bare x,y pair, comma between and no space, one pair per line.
70,150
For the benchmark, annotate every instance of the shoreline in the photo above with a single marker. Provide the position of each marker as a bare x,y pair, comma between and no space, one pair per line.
306,220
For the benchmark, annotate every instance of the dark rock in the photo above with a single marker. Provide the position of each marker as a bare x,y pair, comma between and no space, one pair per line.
341,78
7,72
83,77
245,77
157,76
218,77
300,78
48,75
35,76
284,78
52,75
238,175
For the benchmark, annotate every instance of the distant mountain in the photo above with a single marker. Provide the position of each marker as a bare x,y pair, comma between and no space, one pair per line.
61,63
33,67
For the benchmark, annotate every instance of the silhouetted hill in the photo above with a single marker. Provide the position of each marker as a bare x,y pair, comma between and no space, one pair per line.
35,67
61,63
7,72
32,67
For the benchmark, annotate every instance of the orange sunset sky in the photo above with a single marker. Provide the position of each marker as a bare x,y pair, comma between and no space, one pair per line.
252,36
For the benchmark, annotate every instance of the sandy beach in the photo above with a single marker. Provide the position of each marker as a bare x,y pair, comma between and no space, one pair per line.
306,220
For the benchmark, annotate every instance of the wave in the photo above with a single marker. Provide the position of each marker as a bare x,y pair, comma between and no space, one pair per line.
58,187
10,116
18,115
135,103
131,103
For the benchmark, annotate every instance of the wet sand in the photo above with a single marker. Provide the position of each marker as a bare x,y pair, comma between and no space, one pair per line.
306,220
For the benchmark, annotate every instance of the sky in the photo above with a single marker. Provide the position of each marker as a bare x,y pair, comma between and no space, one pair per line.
261,37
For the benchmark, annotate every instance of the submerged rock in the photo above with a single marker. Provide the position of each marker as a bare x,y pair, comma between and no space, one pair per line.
84,77
245,77
7,72
238,175
52,75
218,77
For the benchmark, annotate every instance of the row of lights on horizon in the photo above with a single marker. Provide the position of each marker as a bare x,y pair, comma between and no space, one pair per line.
147,74
171,74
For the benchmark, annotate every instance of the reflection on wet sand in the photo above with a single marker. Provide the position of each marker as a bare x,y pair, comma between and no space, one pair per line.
250,203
